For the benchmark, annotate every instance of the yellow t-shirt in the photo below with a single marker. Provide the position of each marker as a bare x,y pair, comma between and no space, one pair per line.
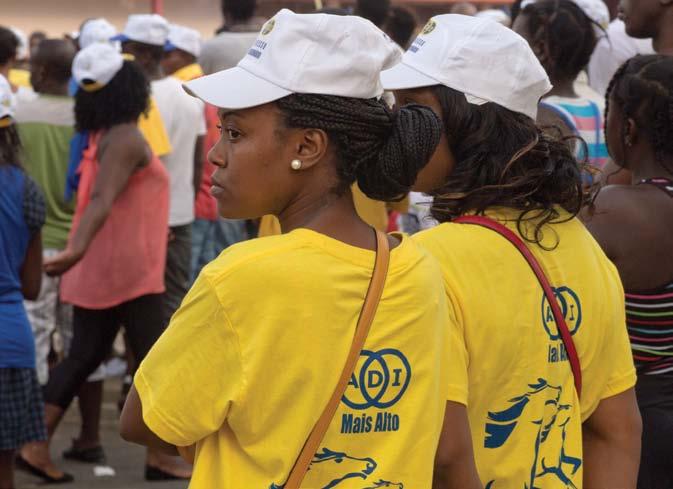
189,72
253,354
524,412
152,127
373,212
20,78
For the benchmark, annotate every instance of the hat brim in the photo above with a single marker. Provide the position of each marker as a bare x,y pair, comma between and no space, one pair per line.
235,88
169,46
120,38
403,76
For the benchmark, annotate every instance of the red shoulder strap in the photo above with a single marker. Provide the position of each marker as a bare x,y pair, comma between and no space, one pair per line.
512,237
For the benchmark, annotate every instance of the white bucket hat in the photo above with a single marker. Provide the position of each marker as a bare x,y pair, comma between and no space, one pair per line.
96,30
184,38
96,65
145,28
303,53
476,56
6,103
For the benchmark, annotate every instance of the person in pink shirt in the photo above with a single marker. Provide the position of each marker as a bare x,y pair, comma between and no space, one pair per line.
113,264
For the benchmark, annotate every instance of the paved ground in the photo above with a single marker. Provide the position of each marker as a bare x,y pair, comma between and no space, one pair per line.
126,460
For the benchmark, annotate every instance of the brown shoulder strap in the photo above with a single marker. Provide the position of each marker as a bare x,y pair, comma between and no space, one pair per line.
362,330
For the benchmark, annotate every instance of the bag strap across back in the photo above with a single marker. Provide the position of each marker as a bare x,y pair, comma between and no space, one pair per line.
361,331
561,324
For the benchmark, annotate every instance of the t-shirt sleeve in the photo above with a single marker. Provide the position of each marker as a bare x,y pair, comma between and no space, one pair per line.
458,360
34,211
193,373
617,353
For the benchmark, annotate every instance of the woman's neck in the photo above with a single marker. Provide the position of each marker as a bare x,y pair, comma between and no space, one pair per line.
651,168
329,214
563,88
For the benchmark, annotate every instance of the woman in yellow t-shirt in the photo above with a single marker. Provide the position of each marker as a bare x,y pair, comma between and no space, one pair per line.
250,359
530,427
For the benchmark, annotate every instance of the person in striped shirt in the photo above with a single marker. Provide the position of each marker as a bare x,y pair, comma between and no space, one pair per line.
563,38
633,225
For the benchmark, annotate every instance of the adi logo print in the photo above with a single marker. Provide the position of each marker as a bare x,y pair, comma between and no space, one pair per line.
379,381
571,309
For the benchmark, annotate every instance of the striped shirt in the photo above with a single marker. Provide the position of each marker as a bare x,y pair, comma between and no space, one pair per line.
585,118
649,317
650,322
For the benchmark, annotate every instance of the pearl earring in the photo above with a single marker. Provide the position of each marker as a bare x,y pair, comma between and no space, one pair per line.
296,165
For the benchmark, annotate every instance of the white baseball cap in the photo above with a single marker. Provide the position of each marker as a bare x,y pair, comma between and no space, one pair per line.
6,103
303,53
22,51
96,30
476,56
181,37
145,28
95,65
596,10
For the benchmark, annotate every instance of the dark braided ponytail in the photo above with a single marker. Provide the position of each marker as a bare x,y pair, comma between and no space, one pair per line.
643,88
381,149
10,146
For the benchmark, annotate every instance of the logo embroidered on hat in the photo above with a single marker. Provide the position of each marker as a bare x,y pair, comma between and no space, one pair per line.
429,27
268,27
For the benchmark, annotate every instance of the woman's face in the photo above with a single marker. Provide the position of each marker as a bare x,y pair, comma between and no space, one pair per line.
253,158
440,166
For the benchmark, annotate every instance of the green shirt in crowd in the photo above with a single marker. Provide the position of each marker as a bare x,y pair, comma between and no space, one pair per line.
46,126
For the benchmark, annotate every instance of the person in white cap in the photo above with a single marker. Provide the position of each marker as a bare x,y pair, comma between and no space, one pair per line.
145,37
537,418
22,213
113,264
563,38
181,53
252,357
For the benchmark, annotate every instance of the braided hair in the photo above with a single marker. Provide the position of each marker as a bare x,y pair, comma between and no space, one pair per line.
643,88
381,149
10,146
567,33
504,160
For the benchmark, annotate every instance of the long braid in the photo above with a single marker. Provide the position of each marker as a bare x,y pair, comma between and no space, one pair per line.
380,149
10,146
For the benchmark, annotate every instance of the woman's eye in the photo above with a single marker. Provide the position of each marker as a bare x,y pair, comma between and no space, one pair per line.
233,134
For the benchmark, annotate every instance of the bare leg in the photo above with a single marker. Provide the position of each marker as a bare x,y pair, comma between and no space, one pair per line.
90,400
174,466
7,469
37,453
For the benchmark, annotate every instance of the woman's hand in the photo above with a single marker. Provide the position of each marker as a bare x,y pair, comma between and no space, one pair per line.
61,263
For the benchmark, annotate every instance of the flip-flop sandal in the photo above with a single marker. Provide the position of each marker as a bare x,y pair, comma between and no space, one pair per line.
22,464
94,455
156,474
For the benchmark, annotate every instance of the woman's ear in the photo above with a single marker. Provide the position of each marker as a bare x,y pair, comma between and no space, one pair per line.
631,132
311,147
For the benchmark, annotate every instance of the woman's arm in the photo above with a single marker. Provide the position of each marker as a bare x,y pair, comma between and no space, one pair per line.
611,443
125,151
454,461
133,428
31,270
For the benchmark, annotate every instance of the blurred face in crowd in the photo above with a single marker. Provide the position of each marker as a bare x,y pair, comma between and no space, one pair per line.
643,18
436,172
175,59
253,159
